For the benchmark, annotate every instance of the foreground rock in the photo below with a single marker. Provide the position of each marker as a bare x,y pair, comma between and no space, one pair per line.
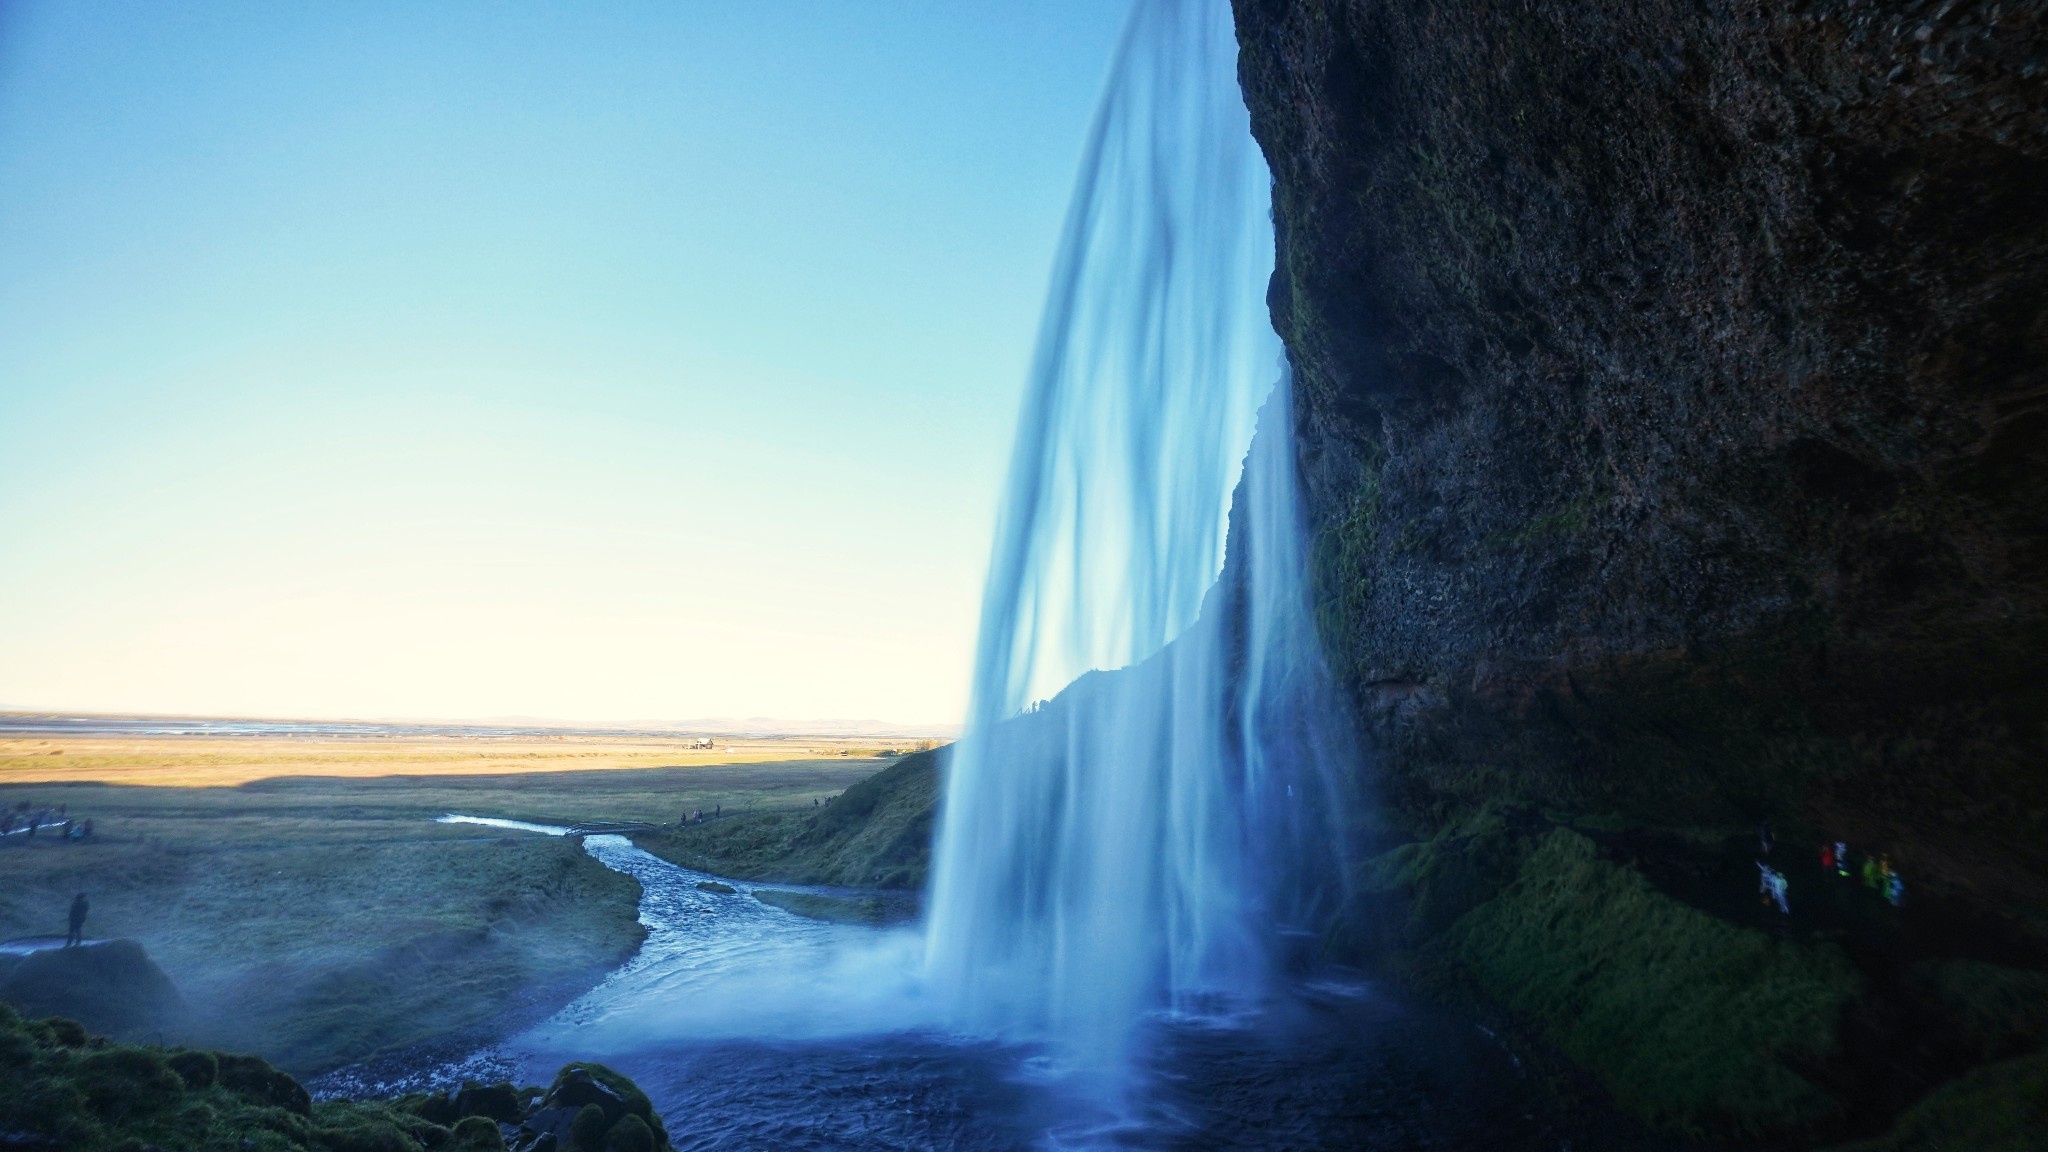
110,986
63,1088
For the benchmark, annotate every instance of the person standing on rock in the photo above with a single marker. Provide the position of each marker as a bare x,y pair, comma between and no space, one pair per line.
78,910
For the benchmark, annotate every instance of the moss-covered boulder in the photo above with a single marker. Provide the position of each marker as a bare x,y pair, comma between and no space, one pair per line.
587,1085
61,1087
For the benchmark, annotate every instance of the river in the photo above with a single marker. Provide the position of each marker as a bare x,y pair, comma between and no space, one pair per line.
753,1028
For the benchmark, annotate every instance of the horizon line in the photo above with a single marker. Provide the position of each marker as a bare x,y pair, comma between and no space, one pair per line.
706,725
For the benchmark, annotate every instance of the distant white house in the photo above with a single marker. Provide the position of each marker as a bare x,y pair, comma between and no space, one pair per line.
701,742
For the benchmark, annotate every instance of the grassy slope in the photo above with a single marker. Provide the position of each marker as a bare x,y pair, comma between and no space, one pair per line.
1703,1021
1998,1108
877,834
1697,1024
319,954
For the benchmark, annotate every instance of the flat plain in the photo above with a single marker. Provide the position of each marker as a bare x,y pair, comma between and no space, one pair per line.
301,897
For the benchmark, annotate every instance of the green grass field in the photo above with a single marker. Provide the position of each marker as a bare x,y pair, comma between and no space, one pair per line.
321,920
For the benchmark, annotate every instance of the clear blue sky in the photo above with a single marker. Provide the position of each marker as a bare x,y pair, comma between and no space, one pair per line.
590,361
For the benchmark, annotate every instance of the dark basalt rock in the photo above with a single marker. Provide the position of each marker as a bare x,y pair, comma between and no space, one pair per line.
1672,406
1673,409
254,1078
589,1108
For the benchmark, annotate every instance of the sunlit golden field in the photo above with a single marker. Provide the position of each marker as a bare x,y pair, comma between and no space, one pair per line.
213,761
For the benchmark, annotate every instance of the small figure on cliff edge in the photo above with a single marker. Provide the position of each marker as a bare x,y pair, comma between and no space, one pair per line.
78,910
1771,884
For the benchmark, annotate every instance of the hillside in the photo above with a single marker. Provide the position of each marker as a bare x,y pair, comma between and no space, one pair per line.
876,834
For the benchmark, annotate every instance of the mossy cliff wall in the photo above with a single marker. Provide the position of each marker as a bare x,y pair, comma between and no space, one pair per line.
1672,390
1672,401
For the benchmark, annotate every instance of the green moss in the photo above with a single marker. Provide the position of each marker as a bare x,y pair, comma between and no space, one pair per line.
122,1082
630,1134
1341,560
197,1069
614,1096
97,1096
1562,520
1694,1024
586,1131
1436,881
477,1134
1998,1108
2001,1011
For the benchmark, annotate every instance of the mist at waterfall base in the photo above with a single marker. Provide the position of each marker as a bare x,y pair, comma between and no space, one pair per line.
1141,820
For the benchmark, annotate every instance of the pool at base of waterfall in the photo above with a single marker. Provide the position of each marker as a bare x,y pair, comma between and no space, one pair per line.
752,1028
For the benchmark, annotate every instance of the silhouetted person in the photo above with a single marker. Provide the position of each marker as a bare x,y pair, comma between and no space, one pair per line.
78,910
716,810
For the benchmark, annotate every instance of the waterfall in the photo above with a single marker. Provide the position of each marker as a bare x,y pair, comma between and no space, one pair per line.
1146,838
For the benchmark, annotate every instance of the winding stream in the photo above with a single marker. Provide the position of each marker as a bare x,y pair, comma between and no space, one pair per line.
753,1028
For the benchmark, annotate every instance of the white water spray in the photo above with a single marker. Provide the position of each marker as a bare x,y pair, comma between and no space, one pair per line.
1145,839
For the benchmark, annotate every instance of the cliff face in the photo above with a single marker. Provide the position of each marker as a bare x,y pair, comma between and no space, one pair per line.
1672,387
1672,396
